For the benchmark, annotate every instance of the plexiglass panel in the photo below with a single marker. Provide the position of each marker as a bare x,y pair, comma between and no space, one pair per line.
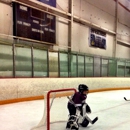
97,67
63,64
120,68
73,64
6,60
23,64
127,69
112,69
53,64
104,68
88,66
40,63
81,66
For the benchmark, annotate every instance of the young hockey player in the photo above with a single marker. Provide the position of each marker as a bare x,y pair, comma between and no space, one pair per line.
77,106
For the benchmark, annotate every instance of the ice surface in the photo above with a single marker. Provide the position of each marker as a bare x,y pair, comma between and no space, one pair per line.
110,107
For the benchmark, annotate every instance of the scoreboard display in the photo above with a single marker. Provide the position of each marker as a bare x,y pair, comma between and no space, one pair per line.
33,24
97,38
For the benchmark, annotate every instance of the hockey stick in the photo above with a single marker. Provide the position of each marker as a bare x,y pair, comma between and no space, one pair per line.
91,121
126,99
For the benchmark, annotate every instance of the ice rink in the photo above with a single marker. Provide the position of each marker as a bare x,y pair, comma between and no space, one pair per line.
110,107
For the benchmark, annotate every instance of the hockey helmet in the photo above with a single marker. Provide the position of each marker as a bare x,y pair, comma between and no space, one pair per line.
83,87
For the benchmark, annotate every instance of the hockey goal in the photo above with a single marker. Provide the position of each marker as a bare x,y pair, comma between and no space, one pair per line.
55,113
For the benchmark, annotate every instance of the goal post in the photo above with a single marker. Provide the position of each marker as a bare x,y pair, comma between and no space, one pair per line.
45,122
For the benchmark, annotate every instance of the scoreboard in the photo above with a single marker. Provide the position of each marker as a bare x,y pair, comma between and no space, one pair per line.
33,24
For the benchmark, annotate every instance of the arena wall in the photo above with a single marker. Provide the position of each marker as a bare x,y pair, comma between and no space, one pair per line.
25,89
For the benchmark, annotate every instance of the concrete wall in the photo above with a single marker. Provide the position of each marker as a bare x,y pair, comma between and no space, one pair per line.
20,89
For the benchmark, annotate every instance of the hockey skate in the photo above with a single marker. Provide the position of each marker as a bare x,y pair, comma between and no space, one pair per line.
72,123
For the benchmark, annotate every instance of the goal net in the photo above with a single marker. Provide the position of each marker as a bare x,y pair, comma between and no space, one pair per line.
55,113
